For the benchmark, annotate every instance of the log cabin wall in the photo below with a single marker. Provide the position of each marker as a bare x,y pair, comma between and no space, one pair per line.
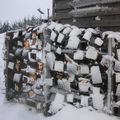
88,13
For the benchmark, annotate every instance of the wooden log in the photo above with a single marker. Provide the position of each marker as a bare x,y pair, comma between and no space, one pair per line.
95,11
86,3
106,21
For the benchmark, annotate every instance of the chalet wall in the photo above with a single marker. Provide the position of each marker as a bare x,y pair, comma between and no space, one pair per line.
85,12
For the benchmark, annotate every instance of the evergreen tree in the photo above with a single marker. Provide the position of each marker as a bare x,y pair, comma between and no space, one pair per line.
6,26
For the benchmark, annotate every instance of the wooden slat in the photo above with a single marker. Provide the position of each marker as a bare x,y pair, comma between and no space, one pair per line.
84,3
95,11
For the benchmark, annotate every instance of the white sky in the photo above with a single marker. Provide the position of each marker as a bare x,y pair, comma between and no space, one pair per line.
13,10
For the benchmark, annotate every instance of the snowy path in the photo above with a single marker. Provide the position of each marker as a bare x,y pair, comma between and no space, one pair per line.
15,111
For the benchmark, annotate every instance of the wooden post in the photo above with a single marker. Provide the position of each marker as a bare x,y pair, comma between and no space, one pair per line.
48,15
109,95
45,87
6,76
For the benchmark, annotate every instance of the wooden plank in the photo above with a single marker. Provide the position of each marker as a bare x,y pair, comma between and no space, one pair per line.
60,5
63,15
68,4
113,28
106,21
95,11
87,12
86,3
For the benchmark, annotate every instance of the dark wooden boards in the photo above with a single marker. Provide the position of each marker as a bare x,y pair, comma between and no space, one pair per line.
87,11
86,3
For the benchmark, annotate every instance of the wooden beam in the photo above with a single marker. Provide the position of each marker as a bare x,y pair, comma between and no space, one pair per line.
60,5
106,21
86,3
88,12
63,15
95,11
63,4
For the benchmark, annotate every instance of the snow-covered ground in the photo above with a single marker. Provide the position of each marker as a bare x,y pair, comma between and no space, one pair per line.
15,111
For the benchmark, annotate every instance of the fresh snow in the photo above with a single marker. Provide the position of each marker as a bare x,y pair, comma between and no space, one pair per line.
59,27
57,104
97,98
96,75
73,42
67,30
98,41
53,36
75,32
16,111
60,38
91,53
118,90
79,55
117,77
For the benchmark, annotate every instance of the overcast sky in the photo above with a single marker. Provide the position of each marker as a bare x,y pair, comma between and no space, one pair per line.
12,10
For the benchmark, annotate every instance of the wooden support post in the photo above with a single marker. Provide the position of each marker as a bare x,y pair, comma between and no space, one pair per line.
48,15
109,92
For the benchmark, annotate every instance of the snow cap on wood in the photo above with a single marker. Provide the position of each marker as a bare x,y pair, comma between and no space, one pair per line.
70,98
84,86
73,42
117,77
60,38
42,27
53,36
88,33
78,55
114,36
71,68
84,100
59,50
75,32
91,53
117,66
96,75
11,65
17,77
59,66
59,27
106,33
84,69
50,59
52,25
67,30
118,54
118,90
98,41
64,84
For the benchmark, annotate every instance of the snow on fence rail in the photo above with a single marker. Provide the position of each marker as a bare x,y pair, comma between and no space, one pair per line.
52,64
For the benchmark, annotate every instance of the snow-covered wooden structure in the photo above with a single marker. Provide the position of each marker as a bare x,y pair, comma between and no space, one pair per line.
88,13
56,63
